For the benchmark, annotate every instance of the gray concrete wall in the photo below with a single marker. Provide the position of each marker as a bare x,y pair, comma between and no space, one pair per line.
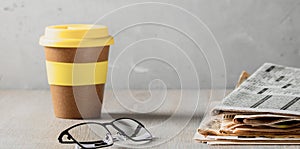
160,54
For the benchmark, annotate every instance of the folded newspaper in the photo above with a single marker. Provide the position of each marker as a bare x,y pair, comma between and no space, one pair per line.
263,109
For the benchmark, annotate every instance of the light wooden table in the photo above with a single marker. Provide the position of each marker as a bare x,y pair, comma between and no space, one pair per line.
27,119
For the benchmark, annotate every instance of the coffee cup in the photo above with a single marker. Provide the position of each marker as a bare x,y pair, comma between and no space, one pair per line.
77,64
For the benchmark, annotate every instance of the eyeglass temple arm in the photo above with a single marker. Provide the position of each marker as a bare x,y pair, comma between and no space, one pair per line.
137,130
72,140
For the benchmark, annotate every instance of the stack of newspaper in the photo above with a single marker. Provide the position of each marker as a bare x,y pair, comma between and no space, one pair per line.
263,109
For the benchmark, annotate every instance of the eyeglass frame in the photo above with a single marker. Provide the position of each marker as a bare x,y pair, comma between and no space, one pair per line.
69,136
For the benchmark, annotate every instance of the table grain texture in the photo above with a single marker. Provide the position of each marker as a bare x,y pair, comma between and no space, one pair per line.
27,119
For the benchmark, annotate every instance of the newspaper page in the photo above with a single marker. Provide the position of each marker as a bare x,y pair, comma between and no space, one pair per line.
271,89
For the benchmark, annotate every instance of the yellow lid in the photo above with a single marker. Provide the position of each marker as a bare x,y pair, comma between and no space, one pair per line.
76,35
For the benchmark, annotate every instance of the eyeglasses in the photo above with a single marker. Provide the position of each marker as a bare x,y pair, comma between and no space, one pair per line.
90,135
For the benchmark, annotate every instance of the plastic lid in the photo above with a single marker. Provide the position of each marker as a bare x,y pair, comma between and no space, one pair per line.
76,35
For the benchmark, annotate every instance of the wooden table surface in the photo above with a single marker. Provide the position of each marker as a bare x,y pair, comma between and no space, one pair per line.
27,119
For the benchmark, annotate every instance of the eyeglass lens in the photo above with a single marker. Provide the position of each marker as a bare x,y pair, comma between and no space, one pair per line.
132,129
91,135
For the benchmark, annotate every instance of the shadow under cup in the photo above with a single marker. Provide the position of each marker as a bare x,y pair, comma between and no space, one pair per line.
77,63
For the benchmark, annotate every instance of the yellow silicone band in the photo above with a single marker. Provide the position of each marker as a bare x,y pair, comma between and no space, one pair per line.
76,74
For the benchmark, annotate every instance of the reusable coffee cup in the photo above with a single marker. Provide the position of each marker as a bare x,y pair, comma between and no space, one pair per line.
77,63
